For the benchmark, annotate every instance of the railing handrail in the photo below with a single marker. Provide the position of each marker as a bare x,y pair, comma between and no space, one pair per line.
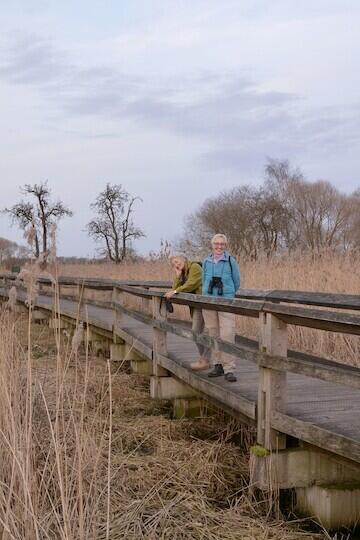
273,357
310,298
333,321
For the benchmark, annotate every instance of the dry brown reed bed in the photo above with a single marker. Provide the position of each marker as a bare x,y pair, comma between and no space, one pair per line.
321,273
85,454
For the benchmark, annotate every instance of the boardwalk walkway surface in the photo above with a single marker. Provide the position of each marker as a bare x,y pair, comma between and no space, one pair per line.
313,400
334,407
331,406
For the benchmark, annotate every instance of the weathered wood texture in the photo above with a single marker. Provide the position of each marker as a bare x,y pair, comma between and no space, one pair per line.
333,300
322,401
272,382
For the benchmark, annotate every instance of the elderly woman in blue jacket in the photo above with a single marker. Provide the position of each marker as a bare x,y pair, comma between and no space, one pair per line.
221,278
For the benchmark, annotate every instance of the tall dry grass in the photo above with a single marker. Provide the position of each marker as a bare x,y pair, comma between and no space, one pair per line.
54,433
85,454
323,273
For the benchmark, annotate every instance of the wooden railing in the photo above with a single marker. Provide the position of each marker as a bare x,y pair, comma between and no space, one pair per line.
273,309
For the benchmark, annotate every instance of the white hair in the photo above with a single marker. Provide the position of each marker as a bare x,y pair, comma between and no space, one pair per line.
219,236
180,257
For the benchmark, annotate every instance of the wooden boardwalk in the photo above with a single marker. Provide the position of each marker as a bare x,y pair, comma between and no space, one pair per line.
329,406
305,408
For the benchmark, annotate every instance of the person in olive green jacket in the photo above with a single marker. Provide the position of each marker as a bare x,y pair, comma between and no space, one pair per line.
188,279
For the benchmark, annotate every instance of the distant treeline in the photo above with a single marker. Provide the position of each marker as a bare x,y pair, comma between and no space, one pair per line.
285,214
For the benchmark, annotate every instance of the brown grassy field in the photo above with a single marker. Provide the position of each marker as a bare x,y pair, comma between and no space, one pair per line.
86,455
325,273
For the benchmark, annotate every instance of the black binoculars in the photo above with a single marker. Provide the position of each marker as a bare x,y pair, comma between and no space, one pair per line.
216,282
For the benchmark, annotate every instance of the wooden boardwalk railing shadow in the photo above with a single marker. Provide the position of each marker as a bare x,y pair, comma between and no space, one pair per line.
305,408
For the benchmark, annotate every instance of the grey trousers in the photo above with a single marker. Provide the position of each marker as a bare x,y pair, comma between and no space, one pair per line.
221,325
198,326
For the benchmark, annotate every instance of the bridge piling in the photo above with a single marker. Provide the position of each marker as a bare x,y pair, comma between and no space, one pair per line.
160,338
272,383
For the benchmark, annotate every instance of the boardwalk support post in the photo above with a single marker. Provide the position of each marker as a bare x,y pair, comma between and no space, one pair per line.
162,385
39,316
57,323
160,341
117,298
272,383
190,407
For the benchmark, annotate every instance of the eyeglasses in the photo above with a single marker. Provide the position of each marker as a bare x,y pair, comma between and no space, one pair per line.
219,244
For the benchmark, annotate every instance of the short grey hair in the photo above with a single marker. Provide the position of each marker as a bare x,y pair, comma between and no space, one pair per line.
219,236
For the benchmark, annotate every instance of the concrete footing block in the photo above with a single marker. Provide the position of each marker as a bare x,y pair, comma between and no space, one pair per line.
20,309
169,388
39,316
123,351
327,487
132,355
100,347
299,467
193,407
57,324
117,352
141,367
334,506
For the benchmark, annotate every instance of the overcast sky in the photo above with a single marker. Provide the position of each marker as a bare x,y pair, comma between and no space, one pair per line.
174,99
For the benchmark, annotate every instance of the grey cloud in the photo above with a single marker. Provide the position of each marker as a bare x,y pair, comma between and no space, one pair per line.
226,110
34,61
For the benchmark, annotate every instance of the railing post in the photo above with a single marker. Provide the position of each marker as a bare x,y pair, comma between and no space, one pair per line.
272,383
159,340
118,298
146,304
79,293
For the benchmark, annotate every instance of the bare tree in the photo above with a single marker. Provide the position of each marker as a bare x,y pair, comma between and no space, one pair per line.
352,234
113,225
252,219
318,214
286,213
40,213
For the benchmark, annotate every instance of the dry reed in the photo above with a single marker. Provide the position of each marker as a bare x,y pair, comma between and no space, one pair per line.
97,459
323,273
85,454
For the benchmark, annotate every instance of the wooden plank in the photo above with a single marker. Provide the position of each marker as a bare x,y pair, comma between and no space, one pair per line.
232,305
307,365
134,314
159,336
313,434
134,340
310,366
333,300
272,387
315,318
317,407
323,369
220,393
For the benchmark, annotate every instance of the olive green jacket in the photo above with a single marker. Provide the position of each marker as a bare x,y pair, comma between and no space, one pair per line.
193,283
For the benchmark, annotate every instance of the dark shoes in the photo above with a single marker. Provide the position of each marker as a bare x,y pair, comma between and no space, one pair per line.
218,371
230,377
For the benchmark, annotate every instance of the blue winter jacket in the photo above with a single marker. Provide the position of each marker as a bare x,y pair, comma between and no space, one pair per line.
229,273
